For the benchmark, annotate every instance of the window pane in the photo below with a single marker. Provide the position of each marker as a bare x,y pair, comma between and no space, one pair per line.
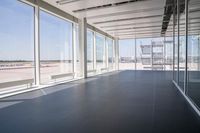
169,53
90,50
55,48
100,52
143,54
127,54
16,41
110,54
150,54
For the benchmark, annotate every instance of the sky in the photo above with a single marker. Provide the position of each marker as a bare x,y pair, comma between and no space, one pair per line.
17,33
17,36
55,38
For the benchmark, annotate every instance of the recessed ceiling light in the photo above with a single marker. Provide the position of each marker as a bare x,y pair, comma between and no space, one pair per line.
62,2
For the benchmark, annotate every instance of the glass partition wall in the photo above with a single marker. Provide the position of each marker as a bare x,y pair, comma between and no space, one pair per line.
193,58
187,74
182,45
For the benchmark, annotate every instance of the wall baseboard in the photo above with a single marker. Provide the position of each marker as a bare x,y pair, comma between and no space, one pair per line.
187,99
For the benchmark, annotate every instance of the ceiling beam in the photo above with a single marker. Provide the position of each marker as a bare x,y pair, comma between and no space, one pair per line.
125,13
128,19
122,3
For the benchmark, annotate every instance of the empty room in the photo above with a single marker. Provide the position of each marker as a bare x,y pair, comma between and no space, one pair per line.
100,66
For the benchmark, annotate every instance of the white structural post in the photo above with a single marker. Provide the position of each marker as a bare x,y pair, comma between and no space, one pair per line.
83,46
113,54
117,53
94,50
164,56
37,45
74,43
106,52
135,53
198,52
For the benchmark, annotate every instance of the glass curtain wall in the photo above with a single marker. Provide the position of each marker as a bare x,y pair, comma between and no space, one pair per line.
17,42
127,54
59,50
150,54
56,50
100,52
110,47
146,54
143,54
168,53
90,50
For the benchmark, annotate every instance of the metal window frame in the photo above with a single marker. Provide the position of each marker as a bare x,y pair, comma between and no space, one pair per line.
178,40
43,6
186,47
174,42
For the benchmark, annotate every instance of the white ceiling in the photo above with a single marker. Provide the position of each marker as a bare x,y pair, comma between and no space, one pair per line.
136,19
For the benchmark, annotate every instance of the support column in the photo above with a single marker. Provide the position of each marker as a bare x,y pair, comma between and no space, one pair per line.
117,53
37,45
135,53
74,55
113,54
94,50
106,52
164,56
83,46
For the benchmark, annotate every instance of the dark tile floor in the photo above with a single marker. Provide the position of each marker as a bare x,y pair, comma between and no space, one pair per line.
124,102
